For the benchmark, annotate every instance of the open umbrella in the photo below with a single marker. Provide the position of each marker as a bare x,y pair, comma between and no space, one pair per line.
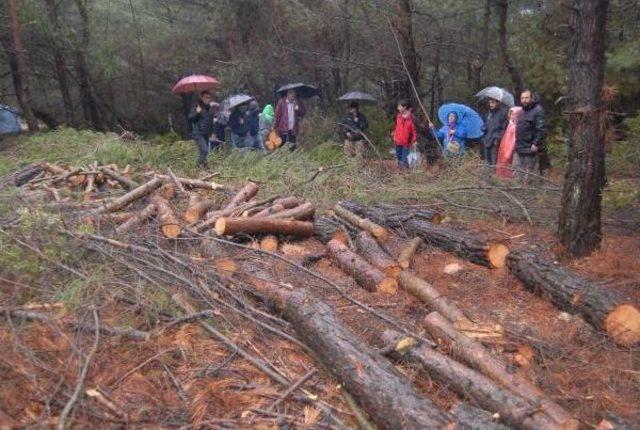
466,116
236,100
497,93
194,83
304,91
357,96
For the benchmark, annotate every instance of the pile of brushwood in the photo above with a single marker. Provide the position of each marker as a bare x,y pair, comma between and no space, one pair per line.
220,255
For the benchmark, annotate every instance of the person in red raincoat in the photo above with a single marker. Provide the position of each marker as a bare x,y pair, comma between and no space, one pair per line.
507,145
405,133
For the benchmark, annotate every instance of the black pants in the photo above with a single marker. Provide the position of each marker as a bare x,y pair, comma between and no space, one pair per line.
203,148
490,154
290,139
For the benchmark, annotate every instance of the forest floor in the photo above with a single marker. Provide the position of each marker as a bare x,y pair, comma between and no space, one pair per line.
181,377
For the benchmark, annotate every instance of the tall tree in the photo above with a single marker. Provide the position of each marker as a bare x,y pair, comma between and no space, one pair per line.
62,71
403,26
19,69
85,83
579,226
516,79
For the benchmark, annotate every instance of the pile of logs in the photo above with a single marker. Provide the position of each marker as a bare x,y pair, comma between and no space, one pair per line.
105,196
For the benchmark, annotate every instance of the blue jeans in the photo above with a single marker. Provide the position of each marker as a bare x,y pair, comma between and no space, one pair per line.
203,148
402,152
238,141
255,142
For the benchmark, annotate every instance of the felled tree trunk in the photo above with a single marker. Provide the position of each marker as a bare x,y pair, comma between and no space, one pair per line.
391,216
368,248
132,196
271,210
123,180
367,276
303,212
169,223
327,228
468,383
380,233
231,226
387,397
425,292
567,290
407,253
464,244
246,193
137,219
195,211
479,358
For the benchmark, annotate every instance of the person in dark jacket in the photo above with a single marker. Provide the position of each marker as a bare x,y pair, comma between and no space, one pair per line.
494,127
201,118
238,126
252,119
530,133
289,114
353,124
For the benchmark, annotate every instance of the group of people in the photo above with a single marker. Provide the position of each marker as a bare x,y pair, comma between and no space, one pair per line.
249,127
513,139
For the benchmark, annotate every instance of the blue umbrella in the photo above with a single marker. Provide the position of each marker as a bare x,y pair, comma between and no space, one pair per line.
469,118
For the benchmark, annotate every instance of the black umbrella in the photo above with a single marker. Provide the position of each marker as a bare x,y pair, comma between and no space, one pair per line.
304,91
357,96
236,100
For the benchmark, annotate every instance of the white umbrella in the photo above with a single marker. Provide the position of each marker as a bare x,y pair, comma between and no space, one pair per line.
499,94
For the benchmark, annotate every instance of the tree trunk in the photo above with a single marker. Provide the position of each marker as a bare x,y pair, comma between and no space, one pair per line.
303,212
231,226
486,25
403,25
123,180
464,244
138,219
426,293
367,276
19,69
368,248
327,228
379,232
62,71
468,383
570,292
87,96
479,358
507,61
269,211
387,397
406,255
579,226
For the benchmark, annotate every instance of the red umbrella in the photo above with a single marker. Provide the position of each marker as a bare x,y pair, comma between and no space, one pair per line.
195,83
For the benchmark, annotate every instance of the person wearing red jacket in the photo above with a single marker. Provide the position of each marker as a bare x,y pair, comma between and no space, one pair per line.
405,133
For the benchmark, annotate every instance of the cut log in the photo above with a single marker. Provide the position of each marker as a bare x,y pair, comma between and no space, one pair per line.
386,396
602,308
474,418
225,265
194,183
176,181
368,248
380,233
367,276
138,219
169,223
271,210
462,243
194,212
122,180
479,358
407,253
132,195
287,202
194,198
269,243
231,226
53,169
327,228
303,212
112,218
90,188
391,216
26,174
468,383
245,194
426,293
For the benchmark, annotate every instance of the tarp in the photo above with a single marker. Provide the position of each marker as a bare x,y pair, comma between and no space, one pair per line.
9,120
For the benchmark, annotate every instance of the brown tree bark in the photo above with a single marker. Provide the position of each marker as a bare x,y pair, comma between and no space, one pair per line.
90,106
138,219
367,276
387,397
132,195
62,71
380,233
482,391
327,228
123,180
269,211
567,290
507,61
403,25
368,248
303,212
579,225
406,255
479,358
231,226
20,70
